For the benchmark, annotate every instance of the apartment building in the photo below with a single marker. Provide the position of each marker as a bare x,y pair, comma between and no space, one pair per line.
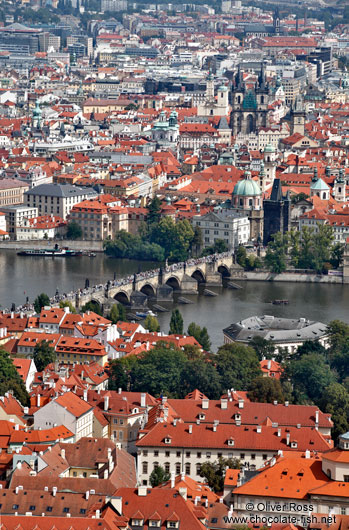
68,410
178,446
12,192
56,199
231,227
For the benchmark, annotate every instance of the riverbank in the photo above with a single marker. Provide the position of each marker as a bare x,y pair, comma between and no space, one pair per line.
267,276
95,246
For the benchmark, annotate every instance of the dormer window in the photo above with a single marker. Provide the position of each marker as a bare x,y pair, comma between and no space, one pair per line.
202,416
137,522
172,524
167,440
294,445
154,524
231,442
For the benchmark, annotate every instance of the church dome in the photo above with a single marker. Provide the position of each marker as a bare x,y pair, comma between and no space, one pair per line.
269,149
319,185
247,187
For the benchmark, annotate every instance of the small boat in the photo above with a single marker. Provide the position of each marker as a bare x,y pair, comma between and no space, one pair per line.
146,314
280,302
50,252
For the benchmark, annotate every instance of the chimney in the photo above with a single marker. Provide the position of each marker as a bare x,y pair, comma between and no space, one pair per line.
87,494
142,491
190,429
224,403
63,453
288,438
98,514
174,422
269,364
143,399
275,402
286,403
54,491
205,403
119,390
307,454
85,394
182,475
172,479
316,418
279,433
106,403
38,399
241,403
259,429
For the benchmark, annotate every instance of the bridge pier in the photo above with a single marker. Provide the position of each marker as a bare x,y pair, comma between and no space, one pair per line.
213,278
164,293
138,300
189,285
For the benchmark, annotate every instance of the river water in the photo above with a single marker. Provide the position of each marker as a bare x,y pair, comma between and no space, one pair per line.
22,276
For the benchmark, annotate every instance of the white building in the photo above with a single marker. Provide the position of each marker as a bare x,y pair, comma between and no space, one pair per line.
68,410
57,199
231,227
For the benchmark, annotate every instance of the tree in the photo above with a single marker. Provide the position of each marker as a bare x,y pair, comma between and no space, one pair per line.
214,473
74,230
119,371
10,380
92,306
42,300
337,253
275,257
266,390
241,256
263,347
154,211
219,247
43,355
338,333
309,346
201,373
335,401
158,476
117,313
200,334
309,375
159,371
151,323
66,303
237,365
176,323
197,241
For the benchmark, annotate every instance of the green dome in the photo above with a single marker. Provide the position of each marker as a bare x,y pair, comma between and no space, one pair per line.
247,188
319,185
269,149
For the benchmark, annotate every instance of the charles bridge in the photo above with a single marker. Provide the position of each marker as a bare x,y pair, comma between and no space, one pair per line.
160,284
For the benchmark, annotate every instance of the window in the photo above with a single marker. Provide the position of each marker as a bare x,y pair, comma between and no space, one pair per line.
83,511
74,473
208,455
156,453
343,510
253,457
66,509
15,507
167,467
264,457
32,508
121,422
84,474
346,478
115,421
178,468
178,454
167,454
242,456
49,508
145,468
145,452
187,454
198,455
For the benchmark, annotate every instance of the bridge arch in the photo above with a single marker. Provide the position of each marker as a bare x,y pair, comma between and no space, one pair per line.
224,271
148,290
199,276
173,282
122,297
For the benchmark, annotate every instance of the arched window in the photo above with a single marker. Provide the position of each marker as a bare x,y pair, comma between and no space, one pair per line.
167,467
145,468
178,468
187,469
324,195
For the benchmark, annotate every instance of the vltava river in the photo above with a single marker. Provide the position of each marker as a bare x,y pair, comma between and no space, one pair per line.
22,276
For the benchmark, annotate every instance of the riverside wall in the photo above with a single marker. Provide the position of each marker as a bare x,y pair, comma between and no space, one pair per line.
95,246
267,276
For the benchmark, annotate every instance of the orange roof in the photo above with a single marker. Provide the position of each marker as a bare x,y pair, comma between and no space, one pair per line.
73,404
